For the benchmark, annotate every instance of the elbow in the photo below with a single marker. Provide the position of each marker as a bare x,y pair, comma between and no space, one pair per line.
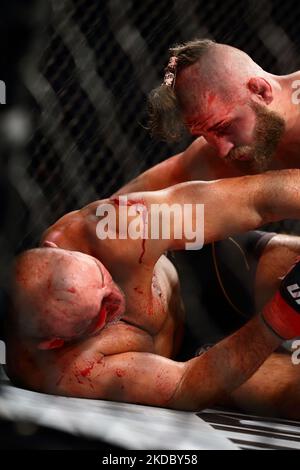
266,213
263,209
194,402
196,390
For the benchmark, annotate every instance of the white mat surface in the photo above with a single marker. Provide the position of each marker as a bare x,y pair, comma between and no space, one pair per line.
129,426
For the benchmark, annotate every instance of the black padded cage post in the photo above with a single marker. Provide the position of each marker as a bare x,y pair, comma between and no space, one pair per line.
21,26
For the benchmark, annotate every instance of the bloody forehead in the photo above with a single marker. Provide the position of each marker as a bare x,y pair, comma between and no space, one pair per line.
209,114
207,123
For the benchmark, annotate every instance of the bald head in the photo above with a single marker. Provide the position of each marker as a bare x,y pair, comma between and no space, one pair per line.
62,295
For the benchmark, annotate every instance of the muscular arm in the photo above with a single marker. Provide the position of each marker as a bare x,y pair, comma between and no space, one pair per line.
240,204
231,206
149,379
273,390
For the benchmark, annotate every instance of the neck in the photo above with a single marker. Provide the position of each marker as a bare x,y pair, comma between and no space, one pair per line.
287,104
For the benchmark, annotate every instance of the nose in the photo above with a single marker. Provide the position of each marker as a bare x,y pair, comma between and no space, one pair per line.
224,147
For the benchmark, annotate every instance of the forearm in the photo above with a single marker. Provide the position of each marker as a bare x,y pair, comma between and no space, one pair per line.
273,390
228,209
236,205
189,214
278,195
224,367
231,206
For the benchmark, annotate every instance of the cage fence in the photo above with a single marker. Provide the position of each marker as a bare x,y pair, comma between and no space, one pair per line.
93,67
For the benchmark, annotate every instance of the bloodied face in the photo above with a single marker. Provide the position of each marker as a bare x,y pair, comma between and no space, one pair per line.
245,135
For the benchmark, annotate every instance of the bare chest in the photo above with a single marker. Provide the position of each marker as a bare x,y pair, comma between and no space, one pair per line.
147,302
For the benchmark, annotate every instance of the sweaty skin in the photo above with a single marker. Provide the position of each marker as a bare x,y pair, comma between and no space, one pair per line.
130,358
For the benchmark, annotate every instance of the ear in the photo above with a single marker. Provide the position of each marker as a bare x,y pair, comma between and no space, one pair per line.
47,244
114,303
261,88
54,343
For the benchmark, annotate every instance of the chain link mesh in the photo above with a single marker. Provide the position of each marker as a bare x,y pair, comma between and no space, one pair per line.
99,60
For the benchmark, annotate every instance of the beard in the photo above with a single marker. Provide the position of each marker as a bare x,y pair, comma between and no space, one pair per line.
268,130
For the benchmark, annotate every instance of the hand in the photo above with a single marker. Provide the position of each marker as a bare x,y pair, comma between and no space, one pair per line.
282,313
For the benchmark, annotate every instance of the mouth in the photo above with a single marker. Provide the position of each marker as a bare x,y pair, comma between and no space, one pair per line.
244,157
114,316
107,316
101,320
240,158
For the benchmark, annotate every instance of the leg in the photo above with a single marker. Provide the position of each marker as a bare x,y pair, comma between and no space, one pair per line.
274,390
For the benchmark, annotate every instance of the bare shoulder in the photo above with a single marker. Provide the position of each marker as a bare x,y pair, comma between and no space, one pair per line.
166,271
75,230
59,229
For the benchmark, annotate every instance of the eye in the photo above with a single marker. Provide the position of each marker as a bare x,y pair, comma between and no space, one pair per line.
223,130
195,132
